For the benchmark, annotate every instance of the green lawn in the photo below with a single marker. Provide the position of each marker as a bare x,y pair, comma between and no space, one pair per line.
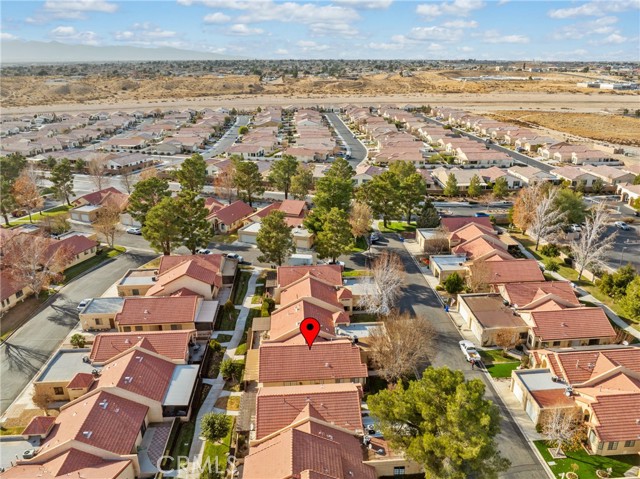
588,464
217,452
225,238
185,438
355,273
497,365
78,269
228,321
396,227
359,246
241,287
223,338
58,210
364,318
11,431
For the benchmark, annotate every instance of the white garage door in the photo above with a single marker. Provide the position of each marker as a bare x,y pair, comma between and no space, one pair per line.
531,412
251,239
476,329
517,391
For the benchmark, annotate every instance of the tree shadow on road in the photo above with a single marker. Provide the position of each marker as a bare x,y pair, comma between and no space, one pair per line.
24,359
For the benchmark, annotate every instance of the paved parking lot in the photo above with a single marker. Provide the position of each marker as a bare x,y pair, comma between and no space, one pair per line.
626,248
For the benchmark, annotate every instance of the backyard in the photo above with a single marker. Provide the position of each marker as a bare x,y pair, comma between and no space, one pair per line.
587,465
216,453
497,365
241,286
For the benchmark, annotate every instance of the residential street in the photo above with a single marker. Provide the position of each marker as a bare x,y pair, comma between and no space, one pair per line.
24,353
358,151
420,299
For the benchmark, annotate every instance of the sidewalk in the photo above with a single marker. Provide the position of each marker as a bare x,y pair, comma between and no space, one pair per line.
217,384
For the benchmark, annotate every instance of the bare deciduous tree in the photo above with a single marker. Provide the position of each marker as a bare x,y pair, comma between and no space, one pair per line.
506,339
26,194
225,182
148,173
387,276
402,346
547,218
360,219
563,427
478,276
438,243
592,245
128,180
525,205
107,220
34,261
95,170
41,400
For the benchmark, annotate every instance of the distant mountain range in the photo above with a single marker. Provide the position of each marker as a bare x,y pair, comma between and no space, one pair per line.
15,51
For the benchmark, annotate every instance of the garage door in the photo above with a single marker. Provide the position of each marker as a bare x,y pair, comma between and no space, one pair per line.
531,412
476,329
85,218
251,239
517,391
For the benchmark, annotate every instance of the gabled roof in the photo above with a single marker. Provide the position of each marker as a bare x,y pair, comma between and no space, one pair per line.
287,320
310,286
573,323
232,213
102,420
579,366
512,271
138,372
98,197
39,426
479,246
456,222
613,418
210,262
158,310
330,273
8,285
74,245
338,404
171,344
524,293
193,269
292,207
327,360
81,381
72,463
471,231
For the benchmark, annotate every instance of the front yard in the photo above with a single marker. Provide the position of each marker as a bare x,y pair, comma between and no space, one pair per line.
396,227
497,365
587,465
105,255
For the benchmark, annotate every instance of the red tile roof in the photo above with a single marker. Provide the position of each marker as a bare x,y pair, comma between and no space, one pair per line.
75,245
338,404
330,273
193,269
293,207
456,222
574,323
524,293
479,246
97,197
579,366
158,310
211,262
471,231
232,213
8,285
81,381
552,398
138,372
512,271
266,210
615,419
171,344
72,463
288,319
102,420
310,287
39,426
326,360
312,451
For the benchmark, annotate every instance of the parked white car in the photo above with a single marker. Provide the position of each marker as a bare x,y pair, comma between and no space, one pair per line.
469,350
622,225
83,303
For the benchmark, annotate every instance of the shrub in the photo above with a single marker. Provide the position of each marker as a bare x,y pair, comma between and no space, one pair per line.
215,346
267,307
453,284
551,264
550,250
231,370
229,307
78,340
215,426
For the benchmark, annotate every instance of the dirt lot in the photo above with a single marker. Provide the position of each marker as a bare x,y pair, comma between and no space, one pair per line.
38,91
611,128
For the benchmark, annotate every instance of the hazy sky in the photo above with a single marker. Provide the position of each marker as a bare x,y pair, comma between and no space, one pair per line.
482,29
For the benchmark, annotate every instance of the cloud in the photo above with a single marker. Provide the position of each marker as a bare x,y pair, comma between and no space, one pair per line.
459,8
465,49
493,36
576,31
366,4
311,46
281,51
333,29
596,8
145,33
217,17
461,24
243,30
68,34
77,9
7,36
614,38
302,13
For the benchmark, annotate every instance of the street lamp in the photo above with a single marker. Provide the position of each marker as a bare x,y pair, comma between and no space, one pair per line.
622,255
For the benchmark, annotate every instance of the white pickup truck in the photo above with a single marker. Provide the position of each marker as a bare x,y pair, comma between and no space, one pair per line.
469,350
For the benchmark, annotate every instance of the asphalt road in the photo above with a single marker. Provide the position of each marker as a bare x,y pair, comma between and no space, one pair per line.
357,150
222,145
24,353
514,154
420,300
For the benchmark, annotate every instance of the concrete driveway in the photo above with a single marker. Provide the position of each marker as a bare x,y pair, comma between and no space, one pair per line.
420,300
24,353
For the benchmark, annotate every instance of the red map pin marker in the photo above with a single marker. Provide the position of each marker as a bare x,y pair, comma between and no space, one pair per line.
310,328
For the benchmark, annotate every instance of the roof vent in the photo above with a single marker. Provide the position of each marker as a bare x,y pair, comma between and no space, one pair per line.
103,404
564,325
327,365
126,341
128,379
87,434
146,311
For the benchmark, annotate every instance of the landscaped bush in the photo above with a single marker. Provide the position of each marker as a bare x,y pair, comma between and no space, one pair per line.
267,307
551,264
550,250
215,346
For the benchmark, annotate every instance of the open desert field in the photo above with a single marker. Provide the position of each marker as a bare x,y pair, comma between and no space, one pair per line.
617,129
32,91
